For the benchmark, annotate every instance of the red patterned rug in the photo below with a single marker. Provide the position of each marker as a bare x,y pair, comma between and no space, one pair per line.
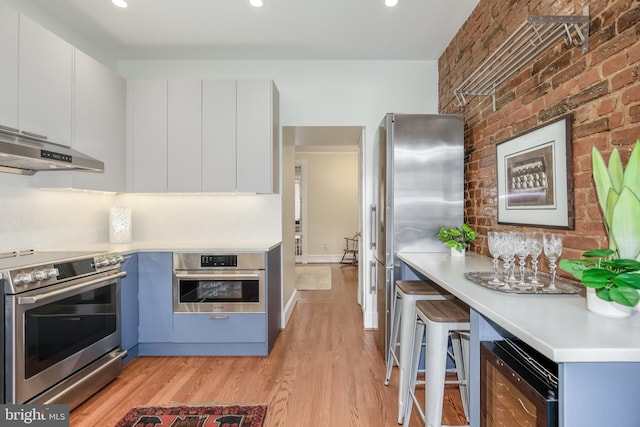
195,416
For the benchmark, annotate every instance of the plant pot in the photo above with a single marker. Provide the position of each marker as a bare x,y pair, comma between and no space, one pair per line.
455,252
606,308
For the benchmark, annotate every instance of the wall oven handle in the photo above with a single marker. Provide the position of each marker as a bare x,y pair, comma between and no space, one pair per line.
191,276
44,296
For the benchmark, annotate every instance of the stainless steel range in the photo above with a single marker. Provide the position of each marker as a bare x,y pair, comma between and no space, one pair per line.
62,325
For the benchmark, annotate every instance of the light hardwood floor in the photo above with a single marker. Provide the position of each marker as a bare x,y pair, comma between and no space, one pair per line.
324,370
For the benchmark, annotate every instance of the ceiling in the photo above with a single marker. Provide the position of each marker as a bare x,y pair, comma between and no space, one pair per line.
282,29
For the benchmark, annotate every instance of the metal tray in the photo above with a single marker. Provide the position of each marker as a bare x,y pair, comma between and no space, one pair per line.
563,286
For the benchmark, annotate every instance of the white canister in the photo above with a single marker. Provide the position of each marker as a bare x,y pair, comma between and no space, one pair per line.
119,224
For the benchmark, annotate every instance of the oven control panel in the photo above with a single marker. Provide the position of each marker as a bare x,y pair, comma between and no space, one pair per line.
218,260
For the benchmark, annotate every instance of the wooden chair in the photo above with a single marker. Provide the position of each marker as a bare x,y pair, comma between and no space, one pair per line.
350,255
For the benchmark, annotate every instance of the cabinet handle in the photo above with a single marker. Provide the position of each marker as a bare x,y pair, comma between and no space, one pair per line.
219,317
34,135
373,277
373,226
8,128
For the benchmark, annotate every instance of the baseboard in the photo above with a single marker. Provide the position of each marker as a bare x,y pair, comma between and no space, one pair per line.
322,259
288,308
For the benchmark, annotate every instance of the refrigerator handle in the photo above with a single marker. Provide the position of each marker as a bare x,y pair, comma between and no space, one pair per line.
374,279
373,226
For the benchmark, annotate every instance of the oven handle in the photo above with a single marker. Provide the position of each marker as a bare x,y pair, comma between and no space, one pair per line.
47,295
191,276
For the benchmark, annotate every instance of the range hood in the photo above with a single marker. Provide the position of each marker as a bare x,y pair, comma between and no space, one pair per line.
24,155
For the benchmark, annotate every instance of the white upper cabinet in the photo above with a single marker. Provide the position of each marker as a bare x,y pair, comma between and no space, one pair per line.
99,128
203,136
45,83
8,68
257,136
184,127
219,135
147,114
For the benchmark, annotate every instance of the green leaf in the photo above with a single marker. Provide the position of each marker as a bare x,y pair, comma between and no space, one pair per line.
622,264
598,253
624,296
603,294
597,277
612,200
632,173
615,170
631,280
625,226
601,178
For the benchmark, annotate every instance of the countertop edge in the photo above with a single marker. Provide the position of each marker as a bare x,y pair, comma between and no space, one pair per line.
540,340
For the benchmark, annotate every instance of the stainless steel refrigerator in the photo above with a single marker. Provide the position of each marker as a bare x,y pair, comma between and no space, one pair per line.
420,186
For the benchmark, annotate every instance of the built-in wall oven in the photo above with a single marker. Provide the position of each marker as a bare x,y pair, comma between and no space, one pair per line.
62,326
518,386
219,282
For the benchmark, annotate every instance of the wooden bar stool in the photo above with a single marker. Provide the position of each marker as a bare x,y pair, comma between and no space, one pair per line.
438,321
403,314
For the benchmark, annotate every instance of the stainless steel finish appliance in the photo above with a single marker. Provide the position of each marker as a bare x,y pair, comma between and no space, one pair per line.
420,180
25,155
62,325
221,282
518,386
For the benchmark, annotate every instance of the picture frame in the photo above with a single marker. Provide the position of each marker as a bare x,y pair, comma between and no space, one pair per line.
534,175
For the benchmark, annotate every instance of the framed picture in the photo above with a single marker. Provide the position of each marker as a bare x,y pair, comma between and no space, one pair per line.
535,177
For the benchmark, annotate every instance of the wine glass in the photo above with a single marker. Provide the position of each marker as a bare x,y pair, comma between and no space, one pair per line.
522,251
494,249
506,253
534,239
552,246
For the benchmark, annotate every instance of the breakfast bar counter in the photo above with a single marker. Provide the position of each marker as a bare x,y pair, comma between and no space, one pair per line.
598,357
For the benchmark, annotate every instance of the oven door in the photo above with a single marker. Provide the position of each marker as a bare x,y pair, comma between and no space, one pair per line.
220,291
54,332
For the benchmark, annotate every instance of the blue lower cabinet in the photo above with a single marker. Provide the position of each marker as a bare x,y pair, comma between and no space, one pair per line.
155,284
129,307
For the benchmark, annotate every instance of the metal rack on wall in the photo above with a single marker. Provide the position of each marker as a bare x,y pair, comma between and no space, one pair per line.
531,38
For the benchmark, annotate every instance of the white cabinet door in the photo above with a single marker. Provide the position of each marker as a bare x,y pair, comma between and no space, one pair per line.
256,142
219,135
148,116
45,84
100,122
184,136
99,128
8,68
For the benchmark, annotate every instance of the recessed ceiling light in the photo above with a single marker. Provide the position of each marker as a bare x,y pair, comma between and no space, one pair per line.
390,3
120,3
256,3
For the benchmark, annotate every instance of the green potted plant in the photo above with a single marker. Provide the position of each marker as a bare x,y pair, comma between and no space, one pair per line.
618,192
457,238
612,280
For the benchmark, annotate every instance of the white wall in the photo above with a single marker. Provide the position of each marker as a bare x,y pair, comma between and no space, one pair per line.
323,93
332,203
48,219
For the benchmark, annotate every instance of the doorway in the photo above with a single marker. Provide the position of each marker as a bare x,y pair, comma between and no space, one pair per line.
322,197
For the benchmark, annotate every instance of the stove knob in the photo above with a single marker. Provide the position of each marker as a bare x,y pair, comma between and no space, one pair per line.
23,278
119,259
39,275
102,262
53,272
113,260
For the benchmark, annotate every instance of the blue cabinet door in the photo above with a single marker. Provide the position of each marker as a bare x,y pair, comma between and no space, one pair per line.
219,328
155,282
129,303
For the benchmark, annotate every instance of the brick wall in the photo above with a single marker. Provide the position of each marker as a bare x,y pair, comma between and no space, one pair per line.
600,88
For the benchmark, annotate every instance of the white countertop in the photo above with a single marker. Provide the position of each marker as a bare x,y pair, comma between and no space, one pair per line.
559,326
183,246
